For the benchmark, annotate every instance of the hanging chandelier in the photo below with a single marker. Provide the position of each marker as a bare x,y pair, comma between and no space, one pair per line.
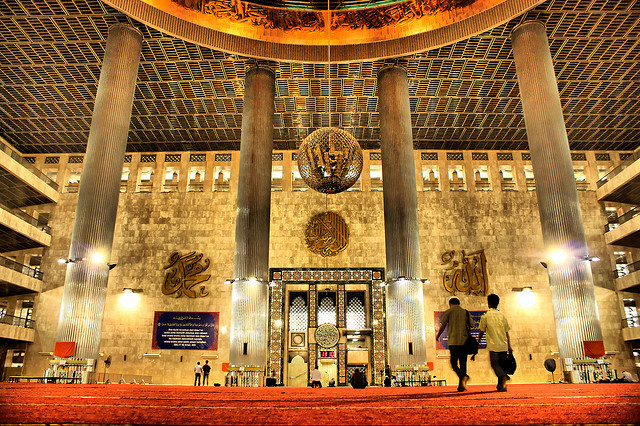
330,159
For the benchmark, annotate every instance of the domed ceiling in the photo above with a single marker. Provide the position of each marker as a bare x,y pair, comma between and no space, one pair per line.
298,31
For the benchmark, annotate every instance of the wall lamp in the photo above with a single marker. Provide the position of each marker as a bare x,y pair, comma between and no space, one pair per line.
74,260
95,259
250,280
587,258
403,278
525,289
131,290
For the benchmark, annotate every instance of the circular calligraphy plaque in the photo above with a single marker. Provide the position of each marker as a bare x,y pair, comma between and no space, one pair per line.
327,234
327,335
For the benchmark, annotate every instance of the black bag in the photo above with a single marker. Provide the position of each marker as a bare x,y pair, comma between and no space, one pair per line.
471,346
508,363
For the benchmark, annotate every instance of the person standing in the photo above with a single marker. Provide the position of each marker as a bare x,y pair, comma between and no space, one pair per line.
458,321
495,324
316,376
198,370
206,368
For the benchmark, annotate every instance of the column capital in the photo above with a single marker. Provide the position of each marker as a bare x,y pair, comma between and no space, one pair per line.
392,66
256,66
123,26
528,24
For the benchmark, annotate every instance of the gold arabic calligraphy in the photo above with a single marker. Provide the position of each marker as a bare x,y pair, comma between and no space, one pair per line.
327,234
286,20
184,273
471,278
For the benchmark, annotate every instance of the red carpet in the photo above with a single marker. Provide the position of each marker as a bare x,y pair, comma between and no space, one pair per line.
30,403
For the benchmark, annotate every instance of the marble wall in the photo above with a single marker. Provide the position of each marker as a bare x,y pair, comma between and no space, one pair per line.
151,226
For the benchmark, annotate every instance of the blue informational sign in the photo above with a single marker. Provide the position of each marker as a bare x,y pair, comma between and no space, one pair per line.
443,342
186,330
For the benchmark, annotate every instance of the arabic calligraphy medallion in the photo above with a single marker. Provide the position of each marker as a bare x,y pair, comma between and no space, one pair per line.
470,278
327,234
184,273
327,335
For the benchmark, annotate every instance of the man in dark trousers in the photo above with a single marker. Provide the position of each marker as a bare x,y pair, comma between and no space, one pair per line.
198,370
495,324
206,368
459,322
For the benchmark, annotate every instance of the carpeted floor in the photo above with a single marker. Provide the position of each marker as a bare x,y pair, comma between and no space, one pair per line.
31,403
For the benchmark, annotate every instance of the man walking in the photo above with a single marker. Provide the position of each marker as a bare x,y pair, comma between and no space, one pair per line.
495,324
198,371
206,368
459,322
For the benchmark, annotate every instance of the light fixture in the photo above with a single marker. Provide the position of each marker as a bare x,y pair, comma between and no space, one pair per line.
330,159
97,258
152,355
131,290
74,260
526,297
250,280
209,356
592,258
403,278
558,256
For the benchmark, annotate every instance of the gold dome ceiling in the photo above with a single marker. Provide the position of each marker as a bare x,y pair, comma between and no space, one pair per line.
358,31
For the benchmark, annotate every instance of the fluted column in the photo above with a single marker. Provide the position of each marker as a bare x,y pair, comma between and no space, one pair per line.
405,314
572,291
249,301
86,280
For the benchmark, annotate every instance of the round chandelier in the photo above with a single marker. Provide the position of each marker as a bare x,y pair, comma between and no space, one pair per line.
330,160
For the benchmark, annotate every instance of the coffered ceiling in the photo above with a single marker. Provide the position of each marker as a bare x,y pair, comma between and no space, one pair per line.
189,98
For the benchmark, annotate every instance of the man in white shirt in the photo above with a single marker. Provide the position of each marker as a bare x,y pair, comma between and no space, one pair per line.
495,324
316,377
198,370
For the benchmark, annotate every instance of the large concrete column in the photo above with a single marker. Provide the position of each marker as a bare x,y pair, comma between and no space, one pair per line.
572,291
405,314
249,303
86,281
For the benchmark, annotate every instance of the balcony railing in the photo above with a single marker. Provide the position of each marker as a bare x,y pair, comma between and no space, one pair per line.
631,322
624,270
626,163
17,321
582,185
431,185
29,219
23,269
614,220
31,168
482,185
508,185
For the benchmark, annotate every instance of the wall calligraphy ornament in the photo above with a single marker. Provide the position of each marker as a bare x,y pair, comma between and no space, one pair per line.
471,276
312,20
184,273
327,335
326,234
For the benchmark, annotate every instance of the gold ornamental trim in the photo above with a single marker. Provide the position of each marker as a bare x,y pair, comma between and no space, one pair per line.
388,31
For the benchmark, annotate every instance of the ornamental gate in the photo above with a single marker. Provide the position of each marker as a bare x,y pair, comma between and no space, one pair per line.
332,318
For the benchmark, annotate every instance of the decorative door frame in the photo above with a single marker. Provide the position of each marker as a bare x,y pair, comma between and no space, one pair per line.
280,277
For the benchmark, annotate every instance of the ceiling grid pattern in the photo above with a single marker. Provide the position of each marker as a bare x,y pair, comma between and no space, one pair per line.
462,96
